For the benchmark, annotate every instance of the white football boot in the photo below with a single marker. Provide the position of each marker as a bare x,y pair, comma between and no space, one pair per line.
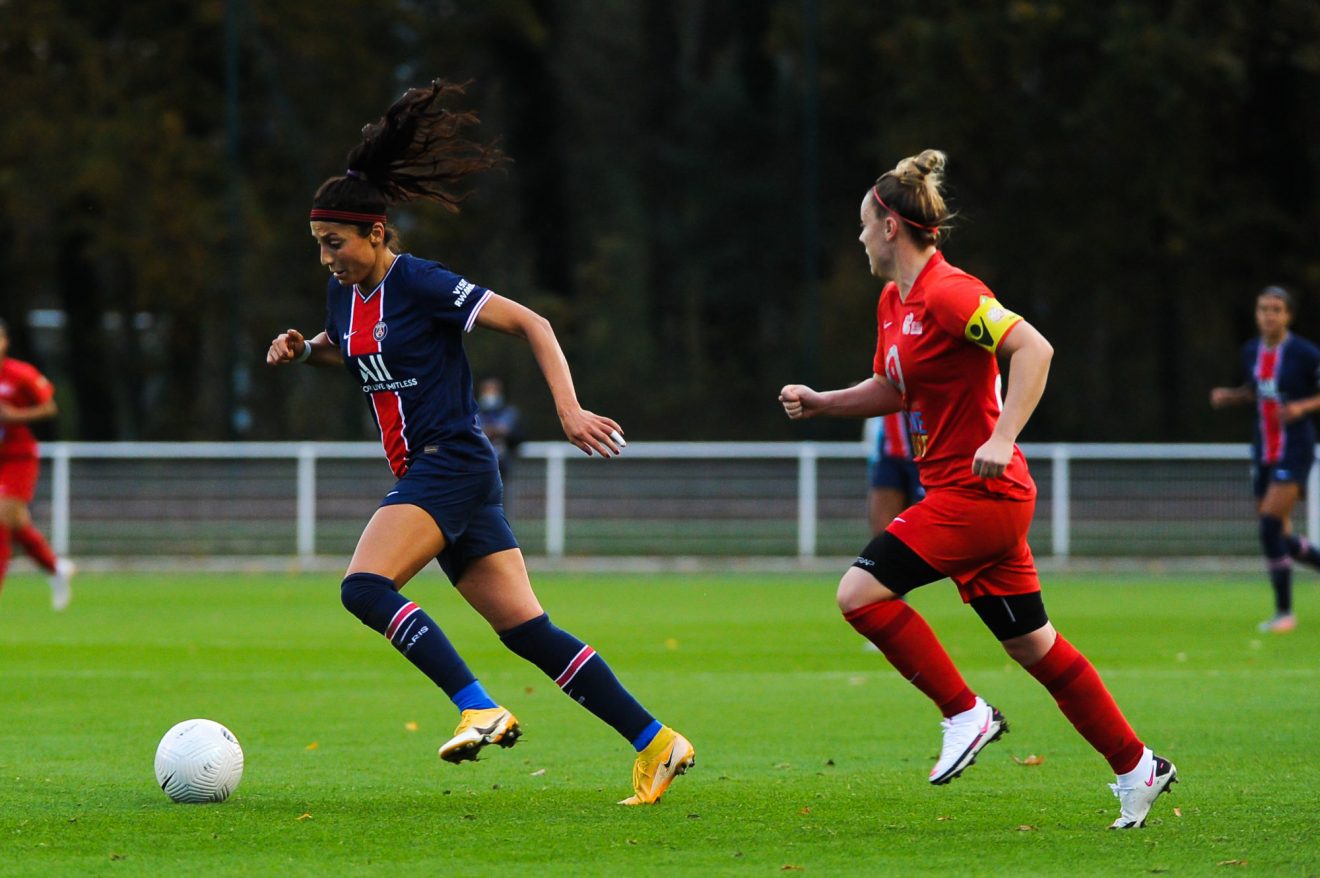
965,735
61,590
1139,788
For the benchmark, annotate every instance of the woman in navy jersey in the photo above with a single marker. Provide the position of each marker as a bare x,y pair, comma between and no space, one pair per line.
396,323
1281,377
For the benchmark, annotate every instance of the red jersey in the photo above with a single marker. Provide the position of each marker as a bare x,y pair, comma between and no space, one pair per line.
21,386
938,348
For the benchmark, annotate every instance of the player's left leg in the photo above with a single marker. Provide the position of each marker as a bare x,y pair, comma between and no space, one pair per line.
498,587
11,509
1019,622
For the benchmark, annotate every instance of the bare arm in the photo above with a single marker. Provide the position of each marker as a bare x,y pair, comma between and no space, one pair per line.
587,430
1294,411
1223,397
10,414
1029,356
865,399
290,347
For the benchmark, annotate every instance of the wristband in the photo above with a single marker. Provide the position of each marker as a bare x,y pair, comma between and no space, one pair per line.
306,353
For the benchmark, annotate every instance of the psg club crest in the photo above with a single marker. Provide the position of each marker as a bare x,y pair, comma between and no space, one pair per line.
378,332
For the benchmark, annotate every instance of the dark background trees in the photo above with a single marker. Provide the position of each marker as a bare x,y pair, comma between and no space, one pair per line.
1128,175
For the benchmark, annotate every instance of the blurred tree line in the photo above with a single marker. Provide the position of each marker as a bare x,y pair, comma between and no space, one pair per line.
682,203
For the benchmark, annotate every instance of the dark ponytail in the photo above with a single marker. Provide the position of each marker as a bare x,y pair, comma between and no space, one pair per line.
415,151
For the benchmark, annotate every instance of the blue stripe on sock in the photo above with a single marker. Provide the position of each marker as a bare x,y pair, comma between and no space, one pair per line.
647,736
473,697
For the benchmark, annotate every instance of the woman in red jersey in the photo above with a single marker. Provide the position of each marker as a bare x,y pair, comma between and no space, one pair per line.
396,323
940,332
25,396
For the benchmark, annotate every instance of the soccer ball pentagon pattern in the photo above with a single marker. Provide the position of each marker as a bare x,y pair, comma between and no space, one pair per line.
197,761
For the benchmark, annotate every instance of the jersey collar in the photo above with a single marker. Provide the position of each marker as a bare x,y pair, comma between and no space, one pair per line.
398,257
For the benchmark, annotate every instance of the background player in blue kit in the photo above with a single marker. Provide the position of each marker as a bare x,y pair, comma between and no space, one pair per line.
1281,374
396,322
891,474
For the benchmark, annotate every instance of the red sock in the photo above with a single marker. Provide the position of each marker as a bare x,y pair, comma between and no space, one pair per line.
912,648
36,546
1083,698
4,553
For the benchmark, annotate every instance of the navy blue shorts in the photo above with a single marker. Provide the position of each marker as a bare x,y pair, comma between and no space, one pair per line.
889,472
1295,467
468,508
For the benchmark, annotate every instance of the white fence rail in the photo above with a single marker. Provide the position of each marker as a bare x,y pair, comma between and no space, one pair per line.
659,498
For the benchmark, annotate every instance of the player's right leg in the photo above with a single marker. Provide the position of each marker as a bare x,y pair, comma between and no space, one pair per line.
1276,506
870,597
398,542
5,551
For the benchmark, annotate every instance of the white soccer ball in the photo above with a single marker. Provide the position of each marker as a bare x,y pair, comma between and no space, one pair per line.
199,760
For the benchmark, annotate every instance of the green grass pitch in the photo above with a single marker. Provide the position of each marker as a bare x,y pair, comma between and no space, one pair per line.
812,754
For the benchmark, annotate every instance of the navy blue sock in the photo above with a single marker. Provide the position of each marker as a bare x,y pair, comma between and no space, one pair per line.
373,599
581,673
1277,561
1302,550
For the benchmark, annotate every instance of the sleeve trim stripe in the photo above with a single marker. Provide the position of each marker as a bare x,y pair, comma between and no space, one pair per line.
476,309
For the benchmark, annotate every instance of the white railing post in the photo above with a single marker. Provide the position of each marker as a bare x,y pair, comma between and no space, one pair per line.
807,500
554,502
306,501
59,498
1060,509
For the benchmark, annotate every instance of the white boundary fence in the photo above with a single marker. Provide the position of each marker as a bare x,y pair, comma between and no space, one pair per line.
692,477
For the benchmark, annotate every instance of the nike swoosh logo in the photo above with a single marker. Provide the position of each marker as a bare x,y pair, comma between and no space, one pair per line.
670,761
493,726
391,493
888,323
1151,782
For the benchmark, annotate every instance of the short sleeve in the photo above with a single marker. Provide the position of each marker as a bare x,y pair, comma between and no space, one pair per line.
39,388
452,299
965,308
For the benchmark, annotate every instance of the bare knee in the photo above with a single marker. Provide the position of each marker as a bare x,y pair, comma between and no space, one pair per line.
1030,648
858,589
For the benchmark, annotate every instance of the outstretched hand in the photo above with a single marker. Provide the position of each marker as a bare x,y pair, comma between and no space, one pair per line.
285,348
799,401
593,433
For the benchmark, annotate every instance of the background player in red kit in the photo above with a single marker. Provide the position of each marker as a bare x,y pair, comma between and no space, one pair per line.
940,330
25,396
1281,378
396,323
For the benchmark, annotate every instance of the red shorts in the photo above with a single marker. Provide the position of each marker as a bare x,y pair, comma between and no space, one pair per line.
18,478
977,540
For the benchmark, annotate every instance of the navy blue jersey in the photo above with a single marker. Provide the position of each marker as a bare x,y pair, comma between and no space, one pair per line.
1287,372
403,341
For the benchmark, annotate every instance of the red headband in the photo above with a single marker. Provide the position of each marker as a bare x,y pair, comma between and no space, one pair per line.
934,230
347,216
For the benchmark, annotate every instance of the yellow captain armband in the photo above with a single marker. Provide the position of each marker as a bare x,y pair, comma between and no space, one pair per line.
988,324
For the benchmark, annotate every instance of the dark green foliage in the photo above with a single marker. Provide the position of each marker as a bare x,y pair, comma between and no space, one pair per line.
1128,174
